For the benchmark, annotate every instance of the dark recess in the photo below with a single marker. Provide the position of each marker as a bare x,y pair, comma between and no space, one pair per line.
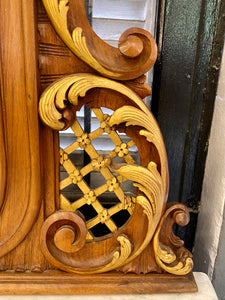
190,36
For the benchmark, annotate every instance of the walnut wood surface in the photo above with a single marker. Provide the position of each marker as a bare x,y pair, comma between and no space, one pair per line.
19,131
33,56
55,58
54,282
2,151
78,35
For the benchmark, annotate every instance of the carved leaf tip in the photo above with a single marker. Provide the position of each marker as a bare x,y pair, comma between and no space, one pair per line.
170,254
63,8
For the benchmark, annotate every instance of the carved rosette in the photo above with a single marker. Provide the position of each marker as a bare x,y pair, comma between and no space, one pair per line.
64,234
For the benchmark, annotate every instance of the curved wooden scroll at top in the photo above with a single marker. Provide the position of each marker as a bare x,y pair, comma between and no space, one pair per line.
137,48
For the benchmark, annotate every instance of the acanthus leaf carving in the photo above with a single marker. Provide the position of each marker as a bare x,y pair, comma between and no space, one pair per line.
130,61
170,254
64,233
152,180
149,181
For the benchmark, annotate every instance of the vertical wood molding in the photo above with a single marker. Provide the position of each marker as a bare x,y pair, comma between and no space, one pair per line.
19,99
2,145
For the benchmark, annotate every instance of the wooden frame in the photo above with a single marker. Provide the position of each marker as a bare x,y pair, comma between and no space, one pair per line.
39,231
187,82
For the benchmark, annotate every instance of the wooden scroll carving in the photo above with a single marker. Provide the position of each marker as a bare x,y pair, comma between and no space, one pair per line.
111,62
147,179
58,106
44,232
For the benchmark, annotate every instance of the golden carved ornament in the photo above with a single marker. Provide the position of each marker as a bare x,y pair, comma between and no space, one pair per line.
137,48
170,254
153,185
57,107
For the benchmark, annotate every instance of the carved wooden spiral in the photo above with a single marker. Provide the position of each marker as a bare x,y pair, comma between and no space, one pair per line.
65,231
67,244
152,184
128,62
169,251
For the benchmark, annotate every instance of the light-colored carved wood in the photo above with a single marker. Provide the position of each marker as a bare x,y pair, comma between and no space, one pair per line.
98,163
41,231
133,116
148,180
113,65
170,254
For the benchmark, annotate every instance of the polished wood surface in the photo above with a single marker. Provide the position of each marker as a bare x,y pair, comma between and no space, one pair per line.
53,282
20,155
78,35
53,58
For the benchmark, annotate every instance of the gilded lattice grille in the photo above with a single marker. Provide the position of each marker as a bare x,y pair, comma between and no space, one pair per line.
99,215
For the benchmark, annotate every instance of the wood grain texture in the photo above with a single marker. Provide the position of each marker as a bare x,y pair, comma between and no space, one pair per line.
31,192
19,97
53,282
52,67
152,183
2,143
132,46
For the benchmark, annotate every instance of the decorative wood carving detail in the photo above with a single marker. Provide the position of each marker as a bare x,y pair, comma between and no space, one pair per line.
170,254
64,230
66,240
134,43
40,228
56,111
55,107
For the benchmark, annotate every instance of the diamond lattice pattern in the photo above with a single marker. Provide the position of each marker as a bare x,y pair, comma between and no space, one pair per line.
101,164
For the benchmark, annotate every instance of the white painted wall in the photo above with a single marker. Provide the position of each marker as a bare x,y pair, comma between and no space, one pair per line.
210,221
110,18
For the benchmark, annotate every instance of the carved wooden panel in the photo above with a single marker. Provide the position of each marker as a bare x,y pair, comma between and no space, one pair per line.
65,66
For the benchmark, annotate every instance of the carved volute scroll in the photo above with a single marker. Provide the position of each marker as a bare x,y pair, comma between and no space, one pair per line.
107,60
52,65
147,179
67,238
